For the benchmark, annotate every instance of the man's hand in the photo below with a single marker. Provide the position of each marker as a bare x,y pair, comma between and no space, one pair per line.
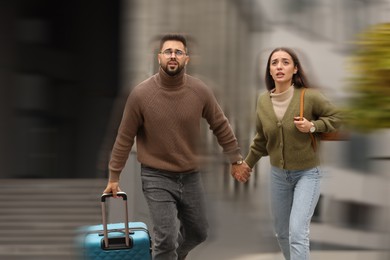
112,187
241,172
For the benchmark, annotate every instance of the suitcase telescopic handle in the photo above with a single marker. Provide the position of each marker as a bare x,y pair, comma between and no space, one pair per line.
123,195
119,194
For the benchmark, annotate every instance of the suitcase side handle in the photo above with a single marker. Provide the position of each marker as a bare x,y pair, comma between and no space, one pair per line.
104,217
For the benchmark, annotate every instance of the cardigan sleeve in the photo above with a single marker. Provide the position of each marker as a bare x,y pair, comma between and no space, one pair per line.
326,117
258,146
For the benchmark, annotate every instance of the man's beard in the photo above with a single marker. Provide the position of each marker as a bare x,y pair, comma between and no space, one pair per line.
174,72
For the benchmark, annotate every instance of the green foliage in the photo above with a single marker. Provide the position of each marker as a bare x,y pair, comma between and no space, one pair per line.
369,107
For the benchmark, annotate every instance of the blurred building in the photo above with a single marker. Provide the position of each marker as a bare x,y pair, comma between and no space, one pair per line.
58,80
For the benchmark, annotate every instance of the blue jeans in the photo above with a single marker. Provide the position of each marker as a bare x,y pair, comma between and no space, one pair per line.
177,208
294,196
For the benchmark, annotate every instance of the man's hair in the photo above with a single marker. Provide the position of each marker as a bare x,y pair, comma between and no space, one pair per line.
173,37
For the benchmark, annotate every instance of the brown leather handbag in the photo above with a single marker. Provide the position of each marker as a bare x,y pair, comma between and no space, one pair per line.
330,136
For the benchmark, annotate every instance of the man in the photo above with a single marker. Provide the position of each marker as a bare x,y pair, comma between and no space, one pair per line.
164,113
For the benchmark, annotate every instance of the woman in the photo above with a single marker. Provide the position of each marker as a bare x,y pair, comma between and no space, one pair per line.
295,171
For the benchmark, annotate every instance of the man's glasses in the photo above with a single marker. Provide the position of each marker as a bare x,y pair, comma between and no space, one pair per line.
168,53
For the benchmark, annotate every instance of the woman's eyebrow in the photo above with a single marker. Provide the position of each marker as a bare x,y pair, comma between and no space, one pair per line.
283,59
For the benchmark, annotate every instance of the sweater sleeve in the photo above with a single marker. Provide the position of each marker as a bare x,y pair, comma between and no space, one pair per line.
221,128
131,121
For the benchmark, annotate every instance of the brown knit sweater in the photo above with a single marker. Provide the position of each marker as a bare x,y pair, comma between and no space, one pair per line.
164,113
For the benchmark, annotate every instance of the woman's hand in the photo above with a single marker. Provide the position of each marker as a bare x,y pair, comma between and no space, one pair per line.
303,125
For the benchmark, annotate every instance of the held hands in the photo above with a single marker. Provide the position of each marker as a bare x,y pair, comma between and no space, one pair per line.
112,187
302,125
241,172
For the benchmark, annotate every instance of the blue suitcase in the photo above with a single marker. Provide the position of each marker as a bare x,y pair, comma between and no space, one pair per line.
109,241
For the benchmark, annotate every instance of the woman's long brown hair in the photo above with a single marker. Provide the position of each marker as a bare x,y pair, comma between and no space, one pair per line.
299,79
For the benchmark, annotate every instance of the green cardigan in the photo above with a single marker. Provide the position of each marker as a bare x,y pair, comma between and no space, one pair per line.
287,147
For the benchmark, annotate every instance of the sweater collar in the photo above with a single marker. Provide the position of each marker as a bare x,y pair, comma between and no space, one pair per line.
171,82
284,95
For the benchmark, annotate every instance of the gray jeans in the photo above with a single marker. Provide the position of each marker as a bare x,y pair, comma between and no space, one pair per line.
177,208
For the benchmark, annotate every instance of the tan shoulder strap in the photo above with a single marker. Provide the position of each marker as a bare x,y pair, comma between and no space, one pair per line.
301,103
